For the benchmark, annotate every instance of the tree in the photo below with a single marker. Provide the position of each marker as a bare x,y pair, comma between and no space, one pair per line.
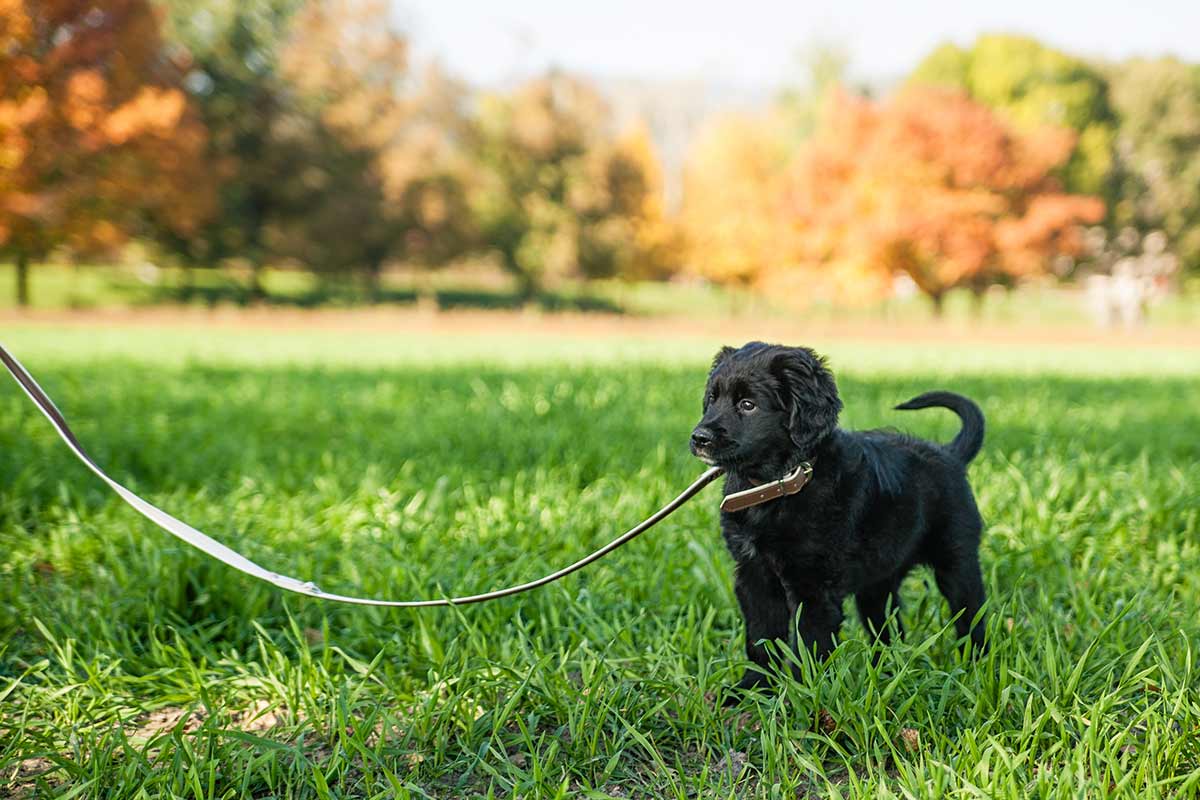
557,196
935,186
824,67
1158,151
377,149
232,51
1033,86
733,182
655,243
96,138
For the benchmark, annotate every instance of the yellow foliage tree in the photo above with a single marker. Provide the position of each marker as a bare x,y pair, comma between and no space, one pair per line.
657,241
732,185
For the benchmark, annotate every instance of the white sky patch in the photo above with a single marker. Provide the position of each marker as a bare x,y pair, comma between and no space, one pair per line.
755,43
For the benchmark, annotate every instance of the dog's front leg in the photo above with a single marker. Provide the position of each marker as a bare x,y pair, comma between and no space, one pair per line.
818,620
765,609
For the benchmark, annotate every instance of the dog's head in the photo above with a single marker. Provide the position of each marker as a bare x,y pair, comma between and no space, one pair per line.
765,405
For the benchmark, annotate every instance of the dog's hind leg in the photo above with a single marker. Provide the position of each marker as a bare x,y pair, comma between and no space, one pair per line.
765,608
873,609
962,584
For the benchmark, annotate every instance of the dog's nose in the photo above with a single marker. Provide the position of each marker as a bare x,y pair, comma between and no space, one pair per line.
702,437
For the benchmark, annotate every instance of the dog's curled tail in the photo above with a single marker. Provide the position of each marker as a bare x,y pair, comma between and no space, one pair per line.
968,441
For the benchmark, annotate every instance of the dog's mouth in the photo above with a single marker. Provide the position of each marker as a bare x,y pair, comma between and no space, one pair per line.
714,457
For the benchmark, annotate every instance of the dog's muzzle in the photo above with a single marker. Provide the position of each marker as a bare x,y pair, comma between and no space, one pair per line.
702,442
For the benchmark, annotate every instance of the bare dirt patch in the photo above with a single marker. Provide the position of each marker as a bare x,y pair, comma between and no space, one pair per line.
22,782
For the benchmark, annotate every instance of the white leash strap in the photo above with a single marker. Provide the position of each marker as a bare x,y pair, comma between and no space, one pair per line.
206,544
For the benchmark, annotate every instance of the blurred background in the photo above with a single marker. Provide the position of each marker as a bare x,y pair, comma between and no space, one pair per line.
1035,164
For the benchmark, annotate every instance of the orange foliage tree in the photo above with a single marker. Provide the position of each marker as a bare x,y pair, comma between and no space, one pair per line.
934,186
95,135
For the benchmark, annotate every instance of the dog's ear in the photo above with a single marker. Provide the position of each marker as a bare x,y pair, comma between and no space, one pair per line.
811,394
719,358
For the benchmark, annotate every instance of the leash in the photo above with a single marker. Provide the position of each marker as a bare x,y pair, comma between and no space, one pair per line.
211,547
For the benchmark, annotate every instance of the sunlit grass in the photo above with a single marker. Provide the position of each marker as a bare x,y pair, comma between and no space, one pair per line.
131,666
480,285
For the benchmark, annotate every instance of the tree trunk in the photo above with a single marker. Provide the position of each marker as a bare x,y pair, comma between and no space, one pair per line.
257,292
22,280
978,296
938,299
187,283
527,283
527,288
372,279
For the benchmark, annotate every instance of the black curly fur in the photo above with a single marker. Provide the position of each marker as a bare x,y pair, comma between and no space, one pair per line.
879,503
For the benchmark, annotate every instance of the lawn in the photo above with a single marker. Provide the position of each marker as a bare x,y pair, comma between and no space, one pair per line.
91,286
411,466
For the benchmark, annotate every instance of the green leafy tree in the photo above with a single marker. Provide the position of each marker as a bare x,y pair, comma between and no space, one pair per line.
1158,151
559,195
233,47
1035,85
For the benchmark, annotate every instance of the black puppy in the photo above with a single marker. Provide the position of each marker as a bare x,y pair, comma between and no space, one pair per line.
877,503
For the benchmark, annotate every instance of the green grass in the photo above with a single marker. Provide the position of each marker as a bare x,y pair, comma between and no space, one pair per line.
58,286
133,667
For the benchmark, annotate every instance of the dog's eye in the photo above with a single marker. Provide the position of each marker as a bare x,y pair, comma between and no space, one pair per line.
746,405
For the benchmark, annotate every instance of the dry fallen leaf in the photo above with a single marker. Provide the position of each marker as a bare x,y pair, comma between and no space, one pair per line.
256,718
166,719
734,761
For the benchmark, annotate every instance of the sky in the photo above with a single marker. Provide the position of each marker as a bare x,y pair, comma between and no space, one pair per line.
755,44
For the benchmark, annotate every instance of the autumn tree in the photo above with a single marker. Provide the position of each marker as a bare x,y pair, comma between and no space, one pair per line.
558,196
1033,86
733,183
935,186
654,246
377,147
96,138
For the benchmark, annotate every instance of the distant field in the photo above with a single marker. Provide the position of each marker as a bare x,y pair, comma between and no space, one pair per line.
403,459
56,286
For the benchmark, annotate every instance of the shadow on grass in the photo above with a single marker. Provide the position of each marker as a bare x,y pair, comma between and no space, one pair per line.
341,297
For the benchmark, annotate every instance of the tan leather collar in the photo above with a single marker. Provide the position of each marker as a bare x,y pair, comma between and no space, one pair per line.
788,484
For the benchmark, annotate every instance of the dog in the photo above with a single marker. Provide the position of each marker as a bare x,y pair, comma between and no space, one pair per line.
876,504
